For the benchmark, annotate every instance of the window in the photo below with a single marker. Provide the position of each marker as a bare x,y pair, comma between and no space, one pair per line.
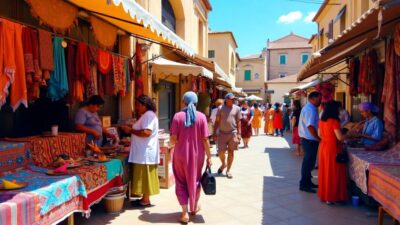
282,75
341,17
282,59
247,75
304,58
168,15
211,53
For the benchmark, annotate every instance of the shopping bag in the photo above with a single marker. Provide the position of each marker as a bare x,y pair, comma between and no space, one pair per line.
208,182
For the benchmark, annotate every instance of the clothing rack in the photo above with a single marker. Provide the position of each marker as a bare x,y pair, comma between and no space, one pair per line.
59,35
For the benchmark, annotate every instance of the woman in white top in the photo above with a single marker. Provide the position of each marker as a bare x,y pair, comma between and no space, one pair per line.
144,152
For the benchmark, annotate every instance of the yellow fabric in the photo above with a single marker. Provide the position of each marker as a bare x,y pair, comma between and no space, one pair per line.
49,12
145,179
118,12
105,34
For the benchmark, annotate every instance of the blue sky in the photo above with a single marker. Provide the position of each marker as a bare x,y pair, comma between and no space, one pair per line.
253,21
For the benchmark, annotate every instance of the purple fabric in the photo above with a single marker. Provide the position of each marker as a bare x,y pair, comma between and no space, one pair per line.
188,157
368,106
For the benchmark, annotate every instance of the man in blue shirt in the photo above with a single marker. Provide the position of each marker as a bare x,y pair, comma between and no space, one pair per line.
308,132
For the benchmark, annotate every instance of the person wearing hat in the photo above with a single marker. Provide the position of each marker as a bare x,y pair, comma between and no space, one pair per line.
229,127
373,127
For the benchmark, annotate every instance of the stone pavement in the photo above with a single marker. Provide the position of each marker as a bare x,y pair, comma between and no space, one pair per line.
264,190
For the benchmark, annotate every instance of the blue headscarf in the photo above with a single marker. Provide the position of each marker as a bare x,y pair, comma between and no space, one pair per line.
190,99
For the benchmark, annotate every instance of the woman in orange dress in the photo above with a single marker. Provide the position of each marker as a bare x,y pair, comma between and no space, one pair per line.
256,122
332,185
269,118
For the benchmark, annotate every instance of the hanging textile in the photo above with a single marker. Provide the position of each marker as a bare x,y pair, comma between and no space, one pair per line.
104,61
58,83
105,33
214,93
397,39
57,14
108,83
139,87
327,90
7,58
12,68
71,53
391,86
31,60
82,63
119,76
45,53
354,67
127,75
194,84
362,77
372,72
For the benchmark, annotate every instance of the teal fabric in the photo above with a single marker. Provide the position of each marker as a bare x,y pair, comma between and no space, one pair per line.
58,84
114,168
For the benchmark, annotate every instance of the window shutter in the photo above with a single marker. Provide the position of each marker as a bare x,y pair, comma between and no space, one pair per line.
247,75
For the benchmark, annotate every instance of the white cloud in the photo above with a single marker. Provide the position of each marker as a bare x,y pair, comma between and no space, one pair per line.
290,17
310,17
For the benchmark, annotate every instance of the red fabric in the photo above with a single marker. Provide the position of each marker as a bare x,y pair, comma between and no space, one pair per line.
372,61
119,76
46,53
363,74
82,68
104,61
194,85
331,175
278,121
100,192
354,66
31,60
71,52
295,136
139,86
214,93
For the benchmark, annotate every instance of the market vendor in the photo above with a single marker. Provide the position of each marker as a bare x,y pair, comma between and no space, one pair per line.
373,126
88,121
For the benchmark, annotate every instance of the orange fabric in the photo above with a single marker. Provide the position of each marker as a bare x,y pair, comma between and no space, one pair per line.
331,175
7,58
278,122
79,90
256,122
105,33
269,118
18,94
48,12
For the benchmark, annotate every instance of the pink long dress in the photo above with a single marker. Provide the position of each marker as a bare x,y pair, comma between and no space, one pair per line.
188,158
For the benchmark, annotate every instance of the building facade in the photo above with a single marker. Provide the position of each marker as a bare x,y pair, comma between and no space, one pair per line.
222,49
251,75
286,55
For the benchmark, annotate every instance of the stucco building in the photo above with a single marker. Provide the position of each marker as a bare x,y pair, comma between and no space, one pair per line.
222,49
251,75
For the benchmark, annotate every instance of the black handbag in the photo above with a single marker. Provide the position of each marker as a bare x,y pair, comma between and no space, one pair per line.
208,182
342,157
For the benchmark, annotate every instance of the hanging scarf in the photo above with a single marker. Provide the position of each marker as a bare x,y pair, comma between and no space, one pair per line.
190,99
45,53
58,84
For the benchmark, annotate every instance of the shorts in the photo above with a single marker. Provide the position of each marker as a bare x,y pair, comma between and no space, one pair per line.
227,141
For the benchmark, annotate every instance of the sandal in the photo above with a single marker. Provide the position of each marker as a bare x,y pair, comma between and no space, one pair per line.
221,169
184,220
197,210
229,175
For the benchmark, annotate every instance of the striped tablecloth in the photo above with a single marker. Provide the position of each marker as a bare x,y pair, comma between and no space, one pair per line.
384,187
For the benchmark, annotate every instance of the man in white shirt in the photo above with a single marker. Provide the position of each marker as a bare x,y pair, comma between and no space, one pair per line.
308,132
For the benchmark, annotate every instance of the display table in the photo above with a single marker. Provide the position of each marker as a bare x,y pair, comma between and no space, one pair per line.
44,194
45,148
384,187
360,161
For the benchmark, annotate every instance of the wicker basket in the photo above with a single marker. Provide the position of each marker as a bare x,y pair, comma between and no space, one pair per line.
114,203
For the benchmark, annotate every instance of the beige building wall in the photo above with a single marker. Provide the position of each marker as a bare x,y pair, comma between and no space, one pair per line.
224,46
256,66
280,90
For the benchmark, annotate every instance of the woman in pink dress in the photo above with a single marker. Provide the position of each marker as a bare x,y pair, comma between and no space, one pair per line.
189,135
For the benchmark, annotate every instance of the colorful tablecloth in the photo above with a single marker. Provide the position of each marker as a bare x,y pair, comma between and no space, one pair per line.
126,165
13,156
93,176
359,162
44,193
114,168
44,149
384,187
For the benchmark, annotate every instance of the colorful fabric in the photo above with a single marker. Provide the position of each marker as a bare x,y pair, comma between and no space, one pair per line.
114,168
332,184
188,157
104,61
384,187
45,149
93,176
127,167
82,71
45,53
127,74
278,121
359,162
139,86
256,122
49,191
58,84
13,156
119,76
7,58
245,126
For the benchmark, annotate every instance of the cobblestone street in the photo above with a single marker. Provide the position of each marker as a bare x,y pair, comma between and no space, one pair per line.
264,190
